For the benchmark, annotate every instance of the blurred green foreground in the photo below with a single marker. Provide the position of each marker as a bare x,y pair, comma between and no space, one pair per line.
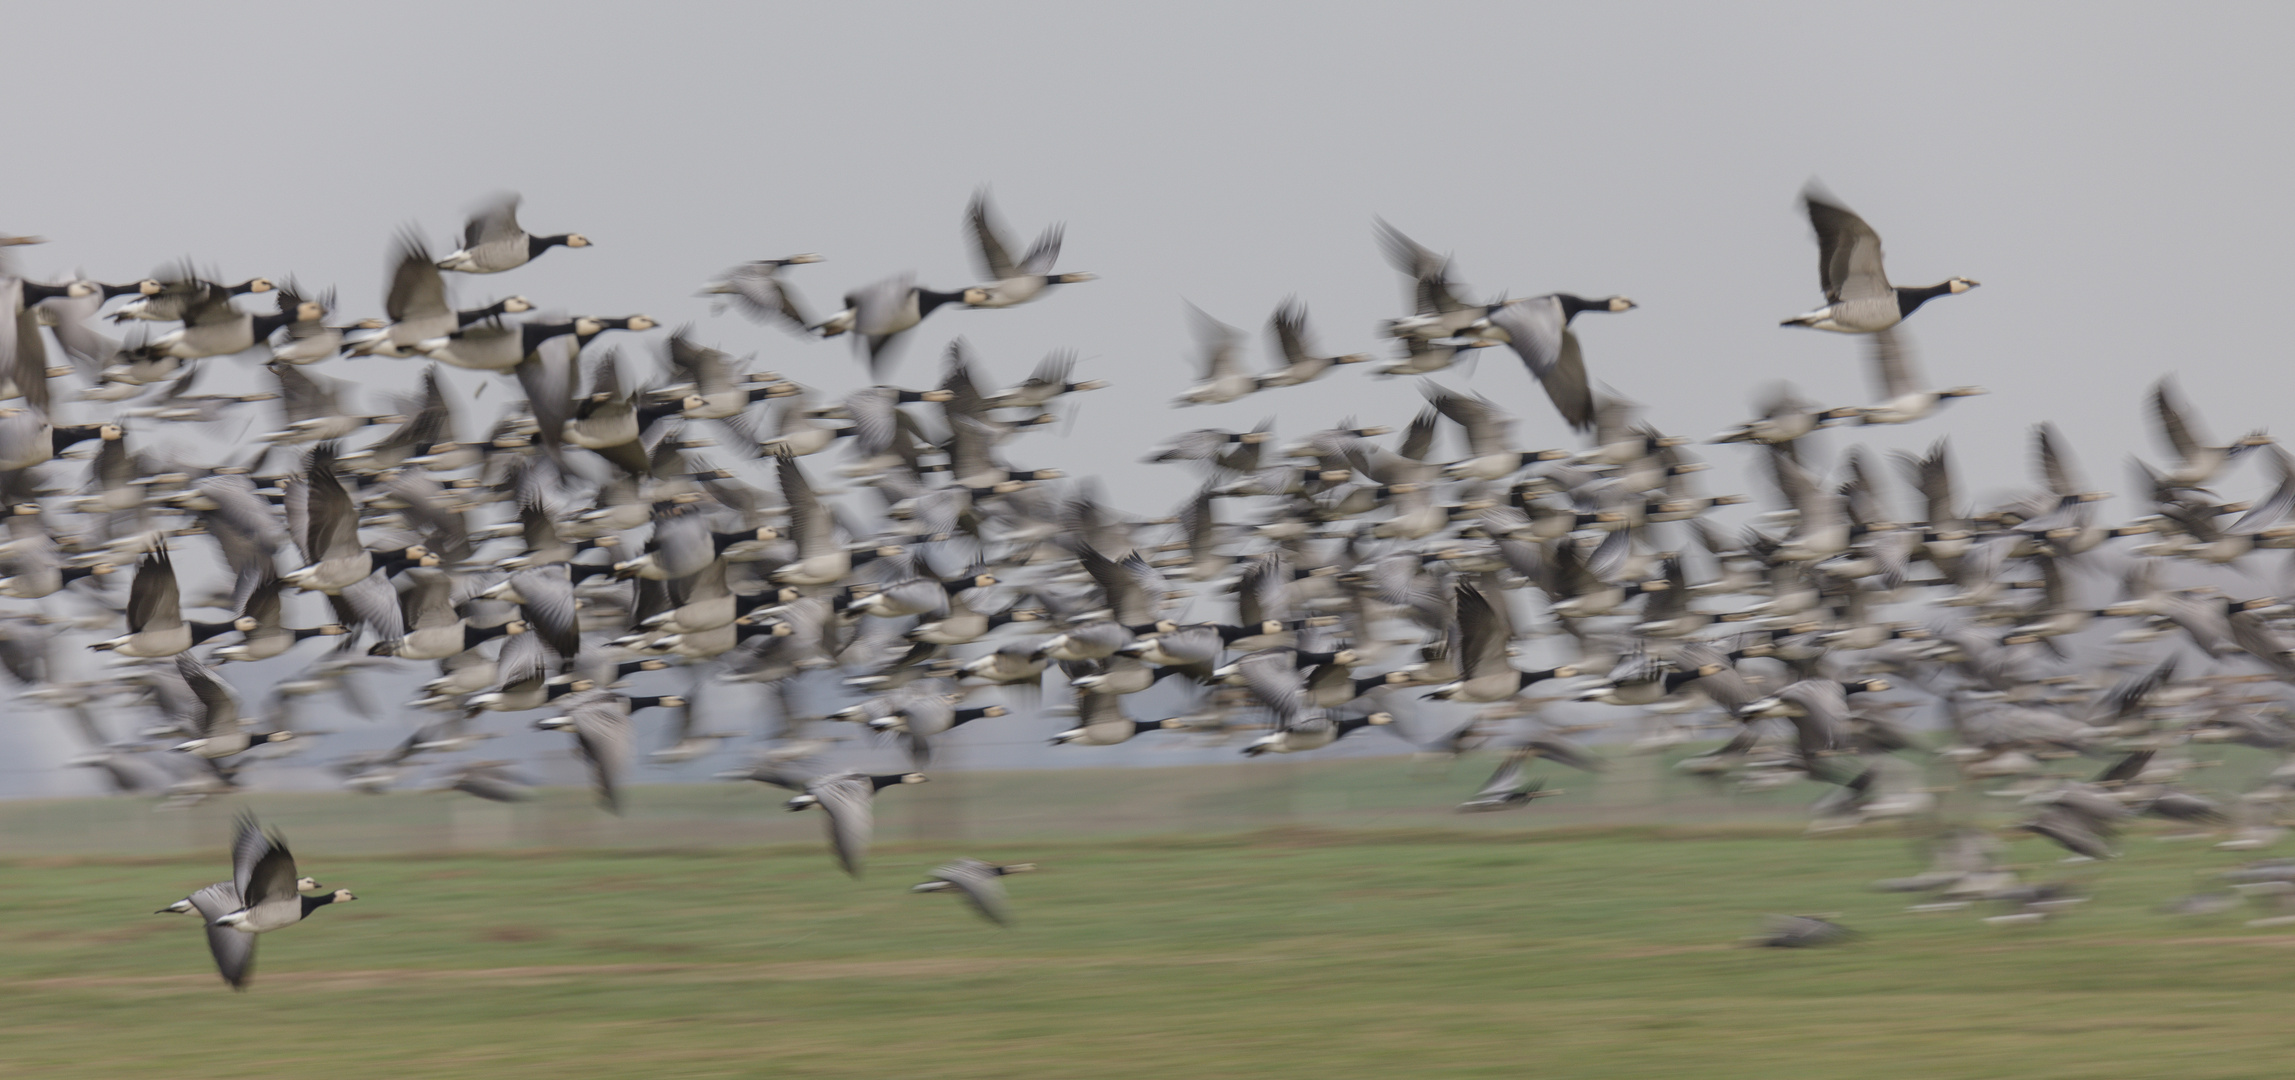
1353,941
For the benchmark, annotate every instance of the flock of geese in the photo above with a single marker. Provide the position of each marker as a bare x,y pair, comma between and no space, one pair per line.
586,547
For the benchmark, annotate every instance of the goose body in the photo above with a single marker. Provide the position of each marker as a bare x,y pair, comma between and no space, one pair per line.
154,612
492,346
1223,378
1859,298
1011,281
849,801
1538,330
263,895
756,290
492,241
982,884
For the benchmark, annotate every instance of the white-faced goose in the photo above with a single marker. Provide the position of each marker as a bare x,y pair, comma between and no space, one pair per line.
213,326
1858,296
879,313
492,240
2197,463
492,345
1299,361
1438,312
70,309
264,633
1481,652
1222,377
154,612
1904,398
179,289
849,800
1012,281
1049,380
982,884
1538,330
262,896
434,630
324,524
599,720
211,715
1101,721
756,290
187,905
416,304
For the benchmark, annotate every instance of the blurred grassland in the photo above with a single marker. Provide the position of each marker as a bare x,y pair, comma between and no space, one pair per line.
1363,938
1000,806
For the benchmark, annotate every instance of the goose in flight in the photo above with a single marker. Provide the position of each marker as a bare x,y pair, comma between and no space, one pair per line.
1538,330
1858,296
849,799
756,290
264,894
492,240
1012,281
982,884
880,312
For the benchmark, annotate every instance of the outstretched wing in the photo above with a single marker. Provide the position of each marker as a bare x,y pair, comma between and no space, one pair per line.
1848,250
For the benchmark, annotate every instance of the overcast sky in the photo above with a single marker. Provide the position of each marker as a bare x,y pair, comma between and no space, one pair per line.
2113,174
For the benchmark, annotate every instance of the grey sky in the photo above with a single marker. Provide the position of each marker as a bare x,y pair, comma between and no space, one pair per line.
2112,173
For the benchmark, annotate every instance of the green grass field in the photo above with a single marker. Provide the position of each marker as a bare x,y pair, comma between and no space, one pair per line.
1298,951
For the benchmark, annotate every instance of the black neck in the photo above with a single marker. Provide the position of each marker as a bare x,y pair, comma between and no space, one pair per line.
465,318
473,635
264,324
34,292
1910,299
926,300
67,437
314,903
534,334
201,631
396,562
535,245
1572,305
112,292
